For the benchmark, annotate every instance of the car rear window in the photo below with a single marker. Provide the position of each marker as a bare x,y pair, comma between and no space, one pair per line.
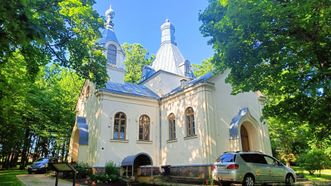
227,158
253,158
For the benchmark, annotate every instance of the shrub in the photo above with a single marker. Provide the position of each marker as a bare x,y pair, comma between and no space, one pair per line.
100,177
314,160
83,170
111,170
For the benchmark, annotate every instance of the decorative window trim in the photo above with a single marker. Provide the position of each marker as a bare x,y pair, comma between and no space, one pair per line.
171,126
119,141
144,128
144,142
190,137
190,122
172,140
120,121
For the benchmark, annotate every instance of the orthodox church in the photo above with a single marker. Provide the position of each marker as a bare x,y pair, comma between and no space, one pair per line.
169,118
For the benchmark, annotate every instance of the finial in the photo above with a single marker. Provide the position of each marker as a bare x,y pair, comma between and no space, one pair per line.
167,20
109,16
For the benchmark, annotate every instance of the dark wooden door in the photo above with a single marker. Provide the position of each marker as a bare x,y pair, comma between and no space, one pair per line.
244,139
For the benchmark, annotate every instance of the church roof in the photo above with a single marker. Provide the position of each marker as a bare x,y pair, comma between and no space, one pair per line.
130,89
107,35
234,126
169,57
191,83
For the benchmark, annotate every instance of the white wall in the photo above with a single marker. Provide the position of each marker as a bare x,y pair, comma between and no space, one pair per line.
227,106
185,150
163,83
133,107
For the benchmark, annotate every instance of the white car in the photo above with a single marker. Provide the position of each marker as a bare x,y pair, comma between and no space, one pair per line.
250,168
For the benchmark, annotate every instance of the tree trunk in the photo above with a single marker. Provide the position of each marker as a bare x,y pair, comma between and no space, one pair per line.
26,146
63,151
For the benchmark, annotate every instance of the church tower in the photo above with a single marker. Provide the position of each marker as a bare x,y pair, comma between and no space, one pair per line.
168,57
113,50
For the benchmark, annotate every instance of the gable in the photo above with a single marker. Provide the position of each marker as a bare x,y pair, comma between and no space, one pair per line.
162,82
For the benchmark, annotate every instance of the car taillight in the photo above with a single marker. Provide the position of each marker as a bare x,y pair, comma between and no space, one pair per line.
233,166
213,167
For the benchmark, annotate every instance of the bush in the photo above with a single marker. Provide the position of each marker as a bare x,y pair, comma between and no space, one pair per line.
112,171
111,168
110,175
83,170
314,160
100,177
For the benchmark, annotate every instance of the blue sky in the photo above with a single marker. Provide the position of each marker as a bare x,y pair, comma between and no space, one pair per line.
140,21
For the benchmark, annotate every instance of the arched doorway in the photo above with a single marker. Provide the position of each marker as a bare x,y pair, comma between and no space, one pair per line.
132,163
244,139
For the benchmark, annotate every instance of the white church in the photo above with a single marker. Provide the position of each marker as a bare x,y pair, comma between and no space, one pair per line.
169,118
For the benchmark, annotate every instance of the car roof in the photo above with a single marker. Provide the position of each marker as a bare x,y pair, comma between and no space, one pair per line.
242,152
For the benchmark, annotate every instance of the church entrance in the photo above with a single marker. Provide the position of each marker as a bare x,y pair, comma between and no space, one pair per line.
132,163
244,139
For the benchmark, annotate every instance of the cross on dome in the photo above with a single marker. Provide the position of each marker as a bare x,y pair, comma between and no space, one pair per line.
109,16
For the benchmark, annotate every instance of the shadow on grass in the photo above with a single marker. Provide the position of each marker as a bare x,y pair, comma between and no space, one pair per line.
323,176
8,177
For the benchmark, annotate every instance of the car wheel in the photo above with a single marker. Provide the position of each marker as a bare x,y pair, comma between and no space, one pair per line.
289,180
248,180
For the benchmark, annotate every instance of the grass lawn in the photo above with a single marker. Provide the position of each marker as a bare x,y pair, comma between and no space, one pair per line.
8,177
325,174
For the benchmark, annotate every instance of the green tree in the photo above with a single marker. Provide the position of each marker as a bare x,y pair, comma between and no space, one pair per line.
314,160
203,68
281,48
58,31
37,114
136,56
288,139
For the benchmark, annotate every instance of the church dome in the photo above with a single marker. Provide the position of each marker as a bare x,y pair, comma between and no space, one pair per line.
168,57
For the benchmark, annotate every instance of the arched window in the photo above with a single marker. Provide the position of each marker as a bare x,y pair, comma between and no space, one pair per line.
172,126
190,124
144,123
111,54
119,126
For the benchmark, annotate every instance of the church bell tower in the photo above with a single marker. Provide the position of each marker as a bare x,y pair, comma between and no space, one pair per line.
113,51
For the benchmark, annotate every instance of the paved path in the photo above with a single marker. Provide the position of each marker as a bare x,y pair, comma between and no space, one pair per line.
41,180
49,180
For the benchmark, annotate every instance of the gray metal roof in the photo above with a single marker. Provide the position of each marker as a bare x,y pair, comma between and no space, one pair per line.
234,126
191,83
168,57
130,89
107,35
83,130
129,160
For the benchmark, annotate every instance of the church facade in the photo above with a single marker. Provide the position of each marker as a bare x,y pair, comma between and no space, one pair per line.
169,118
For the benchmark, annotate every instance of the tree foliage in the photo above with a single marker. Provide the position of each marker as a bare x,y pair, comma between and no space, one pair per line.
314,160
37,114
281,48
58,31
289,139
136,56
203,68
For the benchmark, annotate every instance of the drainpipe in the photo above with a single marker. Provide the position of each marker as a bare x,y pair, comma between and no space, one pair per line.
160,133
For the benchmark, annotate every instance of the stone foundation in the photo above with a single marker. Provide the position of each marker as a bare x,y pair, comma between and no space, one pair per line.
197,171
